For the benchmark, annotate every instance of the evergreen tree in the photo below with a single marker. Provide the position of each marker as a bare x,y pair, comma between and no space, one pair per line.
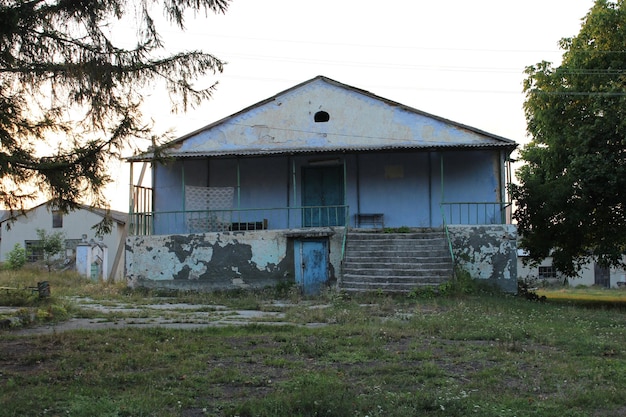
70,97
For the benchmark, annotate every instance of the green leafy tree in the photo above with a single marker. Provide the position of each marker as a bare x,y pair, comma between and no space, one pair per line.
16,258
71,92
571,194
50,246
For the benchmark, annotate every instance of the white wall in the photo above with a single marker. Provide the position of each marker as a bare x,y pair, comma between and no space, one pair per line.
75,224
585,277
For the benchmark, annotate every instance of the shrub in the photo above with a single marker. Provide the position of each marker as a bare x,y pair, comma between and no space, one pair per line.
16,259
51,246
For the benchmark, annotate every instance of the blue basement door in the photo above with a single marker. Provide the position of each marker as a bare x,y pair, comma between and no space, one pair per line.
311,258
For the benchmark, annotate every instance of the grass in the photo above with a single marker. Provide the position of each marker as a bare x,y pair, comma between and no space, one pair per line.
585,294
376,355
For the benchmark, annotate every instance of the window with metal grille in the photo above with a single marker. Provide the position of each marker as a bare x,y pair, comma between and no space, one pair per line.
34,252
546,272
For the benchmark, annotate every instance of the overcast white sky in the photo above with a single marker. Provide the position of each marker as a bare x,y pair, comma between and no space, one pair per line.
458,59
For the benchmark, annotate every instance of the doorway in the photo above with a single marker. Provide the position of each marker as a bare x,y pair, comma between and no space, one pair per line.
602,276
322,193
311,264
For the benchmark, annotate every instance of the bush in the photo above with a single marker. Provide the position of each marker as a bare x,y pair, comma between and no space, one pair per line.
16,259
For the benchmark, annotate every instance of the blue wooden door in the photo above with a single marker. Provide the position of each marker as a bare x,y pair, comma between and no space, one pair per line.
311,259
322,191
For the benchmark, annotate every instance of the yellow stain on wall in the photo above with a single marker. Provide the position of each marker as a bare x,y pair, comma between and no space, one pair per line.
394,171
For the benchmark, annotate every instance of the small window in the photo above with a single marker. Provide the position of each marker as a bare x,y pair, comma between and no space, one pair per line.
57,219
34,252
321,117
547,272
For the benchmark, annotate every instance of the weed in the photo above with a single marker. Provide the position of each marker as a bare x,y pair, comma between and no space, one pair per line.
524,290
401,229
425,292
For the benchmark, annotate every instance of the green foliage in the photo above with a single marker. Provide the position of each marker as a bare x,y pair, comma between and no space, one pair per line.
35,310
401,229
524,290
284,289
425,292
71,89
16,258
461,284
50,245
571,191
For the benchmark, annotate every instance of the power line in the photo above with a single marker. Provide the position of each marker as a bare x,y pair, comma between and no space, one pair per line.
375,46
385,87
444,68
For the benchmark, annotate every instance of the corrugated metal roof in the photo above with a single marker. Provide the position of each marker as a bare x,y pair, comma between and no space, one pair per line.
276,152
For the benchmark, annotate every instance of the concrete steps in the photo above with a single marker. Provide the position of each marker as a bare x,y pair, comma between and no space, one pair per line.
395,262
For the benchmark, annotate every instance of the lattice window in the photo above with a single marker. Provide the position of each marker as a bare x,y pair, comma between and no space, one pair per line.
210,208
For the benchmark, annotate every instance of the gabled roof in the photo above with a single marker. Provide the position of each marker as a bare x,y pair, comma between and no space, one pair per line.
117,216
359,121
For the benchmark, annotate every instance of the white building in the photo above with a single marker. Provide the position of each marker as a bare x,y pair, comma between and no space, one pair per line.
590,274
76,227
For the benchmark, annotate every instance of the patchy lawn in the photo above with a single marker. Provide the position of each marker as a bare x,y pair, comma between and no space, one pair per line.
376,355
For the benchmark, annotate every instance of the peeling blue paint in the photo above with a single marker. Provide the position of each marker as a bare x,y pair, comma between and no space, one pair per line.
487,252
214,261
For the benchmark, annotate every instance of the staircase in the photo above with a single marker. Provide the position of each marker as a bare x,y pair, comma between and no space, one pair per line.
395,262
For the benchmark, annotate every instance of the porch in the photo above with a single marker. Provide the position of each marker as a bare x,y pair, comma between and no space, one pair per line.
285,218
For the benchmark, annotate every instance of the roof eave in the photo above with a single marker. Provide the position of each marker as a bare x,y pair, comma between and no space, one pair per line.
362,149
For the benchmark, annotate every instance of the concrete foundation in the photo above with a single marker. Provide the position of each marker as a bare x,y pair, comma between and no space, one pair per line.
487,252
220,261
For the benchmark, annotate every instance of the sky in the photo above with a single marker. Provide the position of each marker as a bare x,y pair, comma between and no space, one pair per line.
457,59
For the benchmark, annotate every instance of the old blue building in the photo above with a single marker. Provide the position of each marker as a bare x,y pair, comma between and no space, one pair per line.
240,202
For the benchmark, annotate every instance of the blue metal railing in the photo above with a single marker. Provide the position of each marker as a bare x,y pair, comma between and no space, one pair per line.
447,232
476,212
204,221
470,213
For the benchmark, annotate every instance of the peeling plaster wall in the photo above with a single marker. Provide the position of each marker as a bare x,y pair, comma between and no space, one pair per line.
217,261
487,252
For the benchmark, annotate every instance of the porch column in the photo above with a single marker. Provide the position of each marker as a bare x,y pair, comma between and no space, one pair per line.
238,184
293,180
131,192
441,167
345,183
182,176
358,187
430,189
441,209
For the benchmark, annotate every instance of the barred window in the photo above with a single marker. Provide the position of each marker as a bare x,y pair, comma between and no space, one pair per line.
546,272
34,252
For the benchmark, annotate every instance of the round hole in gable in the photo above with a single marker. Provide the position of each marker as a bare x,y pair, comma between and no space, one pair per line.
321,116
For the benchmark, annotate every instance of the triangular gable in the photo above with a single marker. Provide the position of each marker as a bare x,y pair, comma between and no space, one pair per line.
357,121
